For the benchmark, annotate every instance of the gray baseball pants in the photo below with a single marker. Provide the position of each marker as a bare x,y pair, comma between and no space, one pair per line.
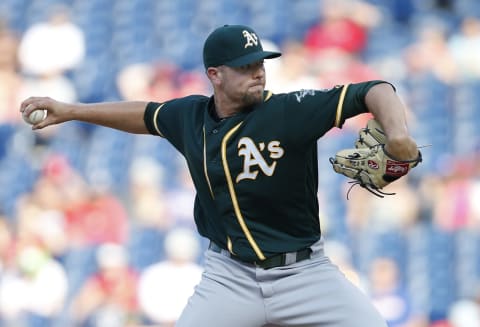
311,292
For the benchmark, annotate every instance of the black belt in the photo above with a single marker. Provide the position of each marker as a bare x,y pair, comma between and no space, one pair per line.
278,260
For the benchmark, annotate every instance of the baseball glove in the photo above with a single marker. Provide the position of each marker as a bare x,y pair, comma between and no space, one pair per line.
371,135
368,164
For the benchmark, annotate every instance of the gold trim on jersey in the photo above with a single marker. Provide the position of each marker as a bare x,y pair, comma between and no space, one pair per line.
155,119
205,171
230,245
233,195
269,95
338,117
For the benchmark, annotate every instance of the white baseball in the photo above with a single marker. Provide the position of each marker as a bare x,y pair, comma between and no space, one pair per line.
35,116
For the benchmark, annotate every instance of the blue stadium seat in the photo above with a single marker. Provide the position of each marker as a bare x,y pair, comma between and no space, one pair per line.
6,132
441,258
145,246
467,267
108,158
80,263
16,177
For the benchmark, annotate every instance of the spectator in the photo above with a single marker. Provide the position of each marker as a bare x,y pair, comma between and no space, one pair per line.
6,256
52,47
474,203
430,53
343,25
454,205
35,289
391,213
162,80
165,286
146,193
48,50
96,218
91,216
464,46
163,84
441,53
293,71
192,82
108,298
6,242
464,313
336,67
335,43
430,192
80,218
148,208
133,81
38,223
389,295
341,256
10,79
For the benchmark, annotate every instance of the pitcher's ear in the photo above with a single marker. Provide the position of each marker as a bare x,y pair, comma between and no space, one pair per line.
214,75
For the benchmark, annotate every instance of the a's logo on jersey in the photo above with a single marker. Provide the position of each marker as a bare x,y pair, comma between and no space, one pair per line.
254,160
303,93
252,39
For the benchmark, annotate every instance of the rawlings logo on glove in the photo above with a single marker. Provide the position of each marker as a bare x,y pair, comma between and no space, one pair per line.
368,164
396,168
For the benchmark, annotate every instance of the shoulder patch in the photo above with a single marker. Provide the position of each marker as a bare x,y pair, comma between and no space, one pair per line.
299,95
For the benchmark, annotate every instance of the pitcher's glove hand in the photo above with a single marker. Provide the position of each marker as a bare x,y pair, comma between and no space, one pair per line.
368,164
371,135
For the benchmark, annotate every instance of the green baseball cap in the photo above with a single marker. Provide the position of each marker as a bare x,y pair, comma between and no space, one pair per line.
234,46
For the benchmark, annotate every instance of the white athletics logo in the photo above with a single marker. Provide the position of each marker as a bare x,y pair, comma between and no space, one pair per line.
251,38
303,93
253,157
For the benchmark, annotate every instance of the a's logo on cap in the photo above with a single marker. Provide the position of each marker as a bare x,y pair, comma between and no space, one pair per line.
252,39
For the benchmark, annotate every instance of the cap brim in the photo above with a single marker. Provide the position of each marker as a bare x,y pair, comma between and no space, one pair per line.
252,57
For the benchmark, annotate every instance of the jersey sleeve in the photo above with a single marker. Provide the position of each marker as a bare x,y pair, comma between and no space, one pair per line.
315,112
170,119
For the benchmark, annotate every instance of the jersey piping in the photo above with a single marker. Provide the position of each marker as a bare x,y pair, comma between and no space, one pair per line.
155,120
233,195
205,163
269,95
338,117
230,245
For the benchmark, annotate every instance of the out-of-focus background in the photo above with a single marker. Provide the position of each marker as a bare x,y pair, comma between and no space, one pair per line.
96,225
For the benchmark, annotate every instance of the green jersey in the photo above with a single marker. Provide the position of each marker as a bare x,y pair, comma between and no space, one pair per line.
255,173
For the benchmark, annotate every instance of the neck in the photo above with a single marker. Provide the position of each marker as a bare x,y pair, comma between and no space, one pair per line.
225,107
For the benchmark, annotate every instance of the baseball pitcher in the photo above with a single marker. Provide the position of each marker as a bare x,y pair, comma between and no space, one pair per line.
253,158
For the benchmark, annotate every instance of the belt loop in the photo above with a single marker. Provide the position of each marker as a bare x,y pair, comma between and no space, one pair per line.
290,257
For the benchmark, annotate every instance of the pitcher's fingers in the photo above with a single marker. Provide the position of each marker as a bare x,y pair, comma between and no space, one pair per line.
35,103
27,101
44,123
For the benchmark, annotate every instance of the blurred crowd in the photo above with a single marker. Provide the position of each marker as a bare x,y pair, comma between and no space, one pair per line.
96,226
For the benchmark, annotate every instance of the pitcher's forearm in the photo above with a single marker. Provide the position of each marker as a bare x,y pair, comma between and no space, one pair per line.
125,116
389,111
